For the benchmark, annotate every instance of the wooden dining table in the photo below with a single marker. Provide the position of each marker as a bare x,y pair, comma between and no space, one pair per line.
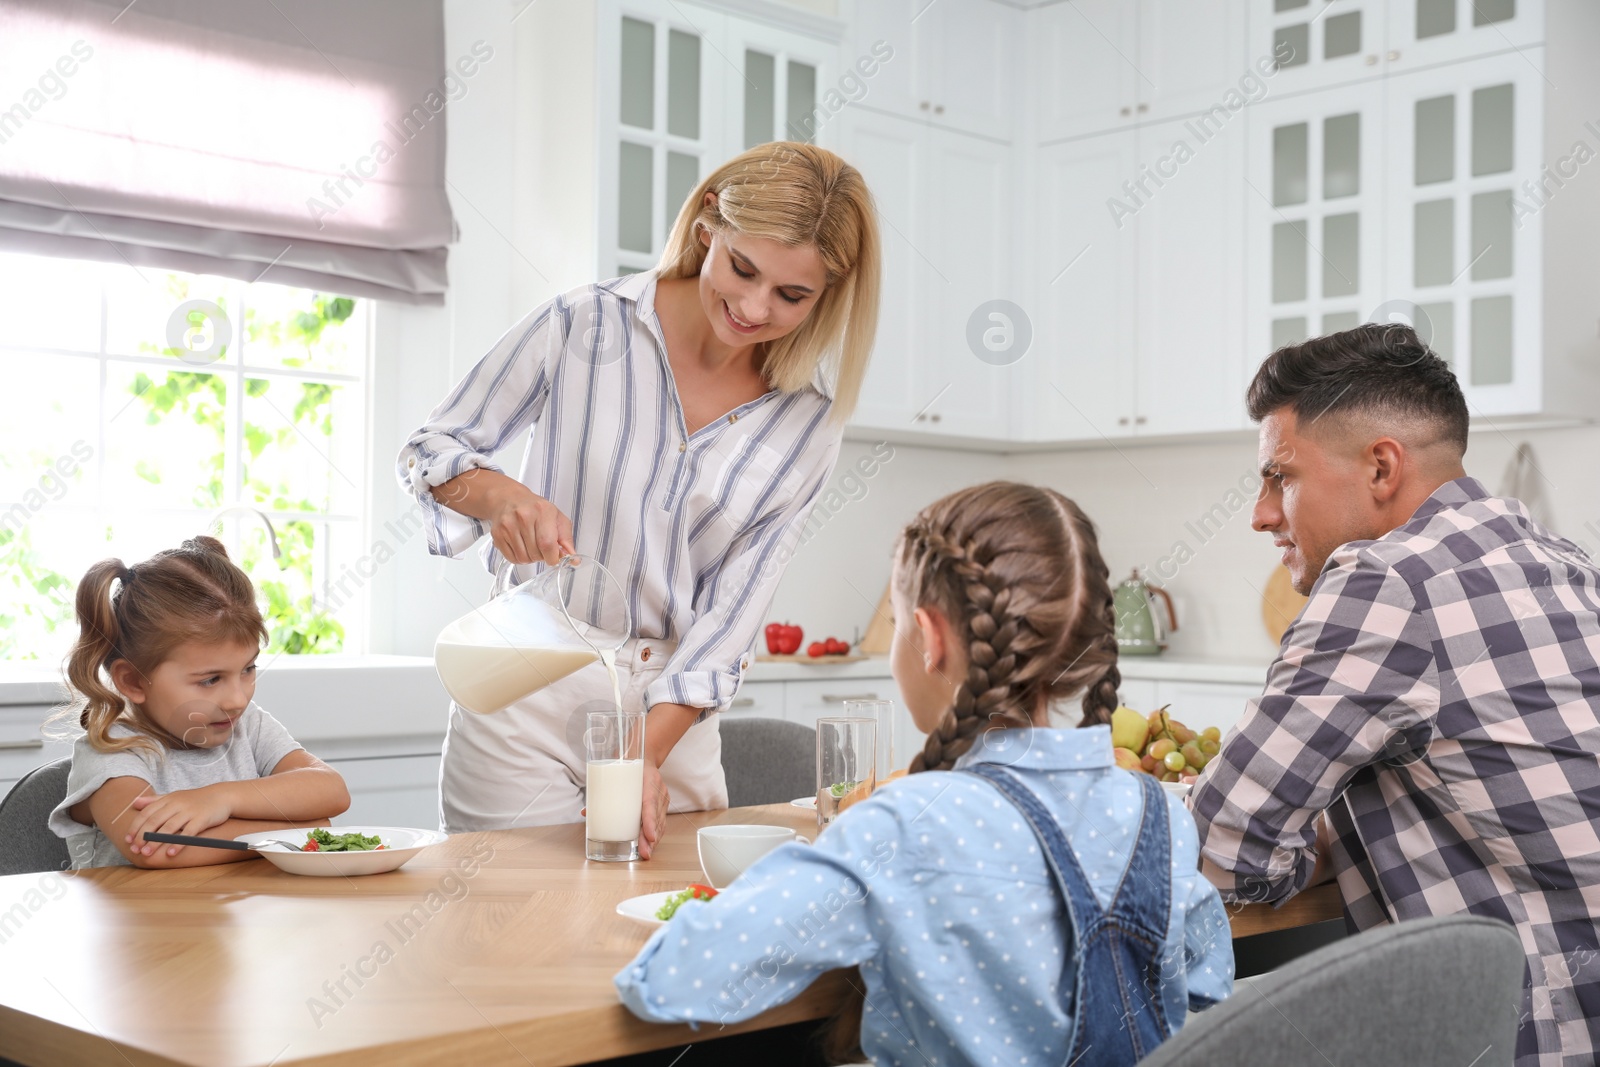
490,949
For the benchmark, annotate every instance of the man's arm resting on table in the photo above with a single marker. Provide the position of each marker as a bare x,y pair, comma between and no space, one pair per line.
1322,872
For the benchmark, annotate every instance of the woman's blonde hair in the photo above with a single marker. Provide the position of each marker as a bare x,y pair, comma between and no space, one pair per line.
191,593
1017,571
798,194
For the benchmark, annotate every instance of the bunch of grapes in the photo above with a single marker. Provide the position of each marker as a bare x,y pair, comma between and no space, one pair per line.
1160,745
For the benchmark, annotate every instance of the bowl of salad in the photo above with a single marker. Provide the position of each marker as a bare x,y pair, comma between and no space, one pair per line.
341,851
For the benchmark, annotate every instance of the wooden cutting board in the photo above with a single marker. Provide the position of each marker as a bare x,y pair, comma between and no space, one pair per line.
1280,604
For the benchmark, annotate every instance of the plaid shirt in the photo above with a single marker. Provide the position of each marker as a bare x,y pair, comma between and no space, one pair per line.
1439,699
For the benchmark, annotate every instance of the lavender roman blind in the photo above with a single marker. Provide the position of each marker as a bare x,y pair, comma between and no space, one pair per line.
293,141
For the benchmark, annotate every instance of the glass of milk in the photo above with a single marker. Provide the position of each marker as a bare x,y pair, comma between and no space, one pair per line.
614,750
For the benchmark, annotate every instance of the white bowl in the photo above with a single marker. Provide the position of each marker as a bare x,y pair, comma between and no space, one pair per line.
403,843
1177,789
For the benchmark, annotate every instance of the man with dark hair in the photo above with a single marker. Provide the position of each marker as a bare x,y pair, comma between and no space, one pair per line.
1430,731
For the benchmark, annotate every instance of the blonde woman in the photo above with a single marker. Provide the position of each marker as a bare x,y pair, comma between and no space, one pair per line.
679,425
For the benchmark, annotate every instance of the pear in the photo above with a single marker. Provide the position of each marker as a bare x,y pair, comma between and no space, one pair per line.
1128,729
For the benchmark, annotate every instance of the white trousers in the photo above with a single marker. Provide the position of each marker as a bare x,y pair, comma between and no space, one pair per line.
525,766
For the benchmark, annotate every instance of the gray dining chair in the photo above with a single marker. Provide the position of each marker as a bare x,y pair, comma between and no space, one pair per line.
1440,992
27,844
768,761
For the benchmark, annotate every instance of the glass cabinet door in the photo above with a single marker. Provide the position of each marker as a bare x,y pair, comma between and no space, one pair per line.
1317,43
667,125
1424,32
1463,237
1315,209
776,85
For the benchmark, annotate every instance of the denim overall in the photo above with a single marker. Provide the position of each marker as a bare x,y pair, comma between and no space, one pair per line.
1113,966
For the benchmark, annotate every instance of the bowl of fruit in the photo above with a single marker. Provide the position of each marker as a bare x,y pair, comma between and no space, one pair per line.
1161,746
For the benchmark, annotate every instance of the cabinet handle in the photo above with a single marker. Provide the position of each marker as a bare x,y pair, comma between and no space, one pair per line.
939,110
1123,421
830,698
743,702
1372,60
925,105
1393,55
1139,420
1127,111
8,746
1143,108
935,416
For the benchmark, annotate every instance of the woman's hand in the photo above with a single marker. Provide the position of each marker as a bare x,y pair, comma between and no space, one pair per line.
185,811
653,816
524,526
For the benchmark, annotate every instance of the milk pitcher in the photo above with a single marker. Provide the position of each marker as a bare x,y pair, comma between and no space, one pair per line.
564,618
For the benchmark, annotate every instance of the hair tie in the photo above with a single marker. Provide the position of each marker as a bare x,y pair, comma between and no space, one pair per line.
127,575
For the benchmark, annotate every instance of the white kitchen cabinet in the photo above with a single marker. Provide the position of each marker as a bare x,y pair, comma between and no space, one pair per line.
1318,43
1428,32
1079,382
681,89
391,790
1463,139
1082,61
1138,317
1315,227
1190,311
758,699
1100,65
771,81
954,61
1140,694
944,219
1201,704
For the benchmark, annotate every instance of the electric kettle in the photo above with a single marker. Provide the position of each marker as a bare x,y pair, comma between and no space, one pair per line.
1139,630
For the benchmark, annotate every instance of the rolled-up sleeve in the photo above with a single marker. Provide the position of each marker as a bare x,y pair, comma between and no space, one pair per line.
733,599
1355,682
499,398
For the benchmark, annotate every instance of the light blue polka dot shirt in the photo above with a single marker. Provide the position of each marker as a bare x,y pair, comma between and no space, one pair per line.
938,889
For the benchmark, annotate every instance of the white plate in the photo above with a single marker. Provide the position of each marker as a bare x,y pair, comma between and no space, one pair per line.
403,843
643,909
1177,789
809,803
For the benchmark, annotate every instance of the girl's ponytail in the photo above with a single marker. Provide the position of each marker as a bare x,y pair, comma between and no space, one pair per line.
99,638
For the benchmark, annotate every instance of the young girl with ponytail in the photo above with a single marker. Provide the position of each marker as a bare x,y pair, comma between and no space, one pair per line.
1016,898
165,671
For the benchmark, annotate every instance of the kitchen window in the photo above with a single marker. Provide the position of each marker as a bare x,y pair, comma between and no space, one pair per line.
146,406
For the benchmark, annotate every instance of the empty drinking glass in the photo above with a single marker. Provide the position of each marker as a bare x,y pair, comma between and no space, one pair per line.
880,712
846,763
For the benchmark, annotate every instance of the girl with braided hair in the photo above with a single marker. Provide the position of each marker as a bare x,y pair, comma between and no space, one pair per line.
164,675
1017,897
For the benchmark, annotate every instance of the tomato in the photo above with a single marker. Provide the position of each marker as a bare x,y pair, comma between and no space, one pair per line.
816,649
834,646
311,846
702,892
844,648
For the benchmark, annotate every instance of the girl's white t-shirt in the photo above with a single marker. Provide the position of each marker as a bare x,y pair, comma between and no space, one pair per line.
255,747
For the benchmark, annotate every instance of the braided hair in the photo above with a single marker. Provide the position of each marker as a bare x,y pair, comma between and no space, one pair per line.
1017,571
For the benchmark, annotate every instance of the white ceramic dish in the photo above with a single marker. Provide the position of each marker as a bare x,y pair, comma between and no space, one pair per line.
1177,789
809,803
643,909
403,843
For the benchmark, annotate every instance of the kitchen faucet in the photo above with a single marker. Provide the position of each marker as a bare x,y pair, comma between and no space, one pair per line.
215,522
